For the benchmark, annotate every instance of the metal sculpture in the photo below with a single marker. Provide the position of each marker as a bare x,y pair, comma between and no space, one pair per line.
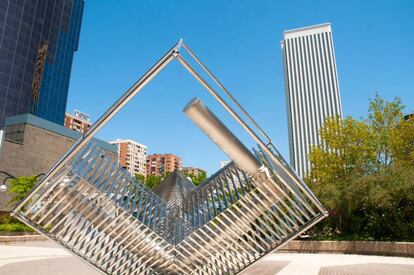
103,215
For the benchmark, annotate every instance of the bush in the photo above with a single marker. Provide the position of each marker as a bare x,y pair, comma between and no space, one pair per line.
10,224
20,187
15,227
363,173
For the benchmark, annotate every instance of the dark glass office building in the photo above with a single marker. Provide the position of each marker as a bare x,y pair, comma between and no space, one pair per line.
37,41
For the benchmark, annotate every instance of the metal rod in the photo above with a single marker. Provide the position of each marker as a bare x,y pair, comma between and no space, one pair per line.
221,135
185,46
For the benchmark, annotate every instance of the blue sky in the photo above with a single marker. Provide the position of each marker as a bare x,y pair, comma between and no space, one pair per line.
240,42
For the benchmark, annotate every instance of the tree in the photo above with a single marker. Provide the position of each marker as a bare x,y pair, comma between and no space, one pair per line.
140,178
149,181
363,173
152,181
20,187
196,180
402,143
384,118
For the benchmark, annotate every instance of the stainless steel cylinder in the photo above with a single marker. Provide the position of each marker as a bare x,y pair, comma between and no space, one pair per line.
221,135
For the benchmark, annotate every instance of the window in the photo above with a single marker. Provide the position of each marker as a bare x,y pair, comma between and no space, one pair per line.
15,133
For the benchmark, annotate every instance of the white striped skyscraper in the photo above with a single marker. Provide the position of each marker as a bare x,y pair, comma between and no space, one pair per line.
312,90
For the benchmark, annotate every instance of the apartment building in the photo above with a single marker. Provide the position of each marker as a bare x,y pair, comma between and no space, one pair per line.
194,171
160,164
131,155
78,121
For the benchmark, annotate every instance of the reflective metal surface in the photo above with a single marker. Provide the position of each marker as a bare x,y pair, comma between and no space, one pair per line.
221,135
104,216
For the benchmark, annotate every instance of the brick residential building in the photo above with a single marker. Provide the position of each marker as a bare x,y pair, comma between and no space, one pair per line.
131,155
194,171
77,121
159,164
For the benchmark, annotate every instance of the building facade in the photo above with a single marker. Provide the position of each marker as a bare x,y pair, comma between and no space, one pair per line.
32,145
78,121
37,43
194,171
160,164
132,156
312,89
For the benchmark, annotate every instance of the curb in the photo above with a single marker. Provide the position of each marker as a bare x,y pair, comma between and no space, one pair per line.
401,249
21,238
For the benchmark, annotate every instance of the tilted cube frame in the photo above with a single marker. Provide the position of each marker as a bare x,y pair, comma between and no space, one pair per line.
104,216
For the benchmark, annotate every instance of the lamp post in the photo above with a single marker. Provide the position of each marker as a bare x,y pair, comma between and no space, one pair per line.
3,186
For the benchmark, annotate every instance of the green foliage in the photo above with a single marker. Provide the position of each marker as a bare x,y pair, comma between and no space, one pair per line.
197,179
140,178
10,224
20,187
150,181
364,174
15,227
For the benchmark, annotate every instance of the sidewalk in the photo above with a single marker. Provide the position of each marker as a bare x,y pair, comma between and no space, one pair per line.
46,258
332,264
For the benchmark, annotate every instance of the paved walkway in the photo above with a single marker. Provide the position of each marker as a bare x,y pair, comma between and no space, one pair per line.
46,258
332,264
